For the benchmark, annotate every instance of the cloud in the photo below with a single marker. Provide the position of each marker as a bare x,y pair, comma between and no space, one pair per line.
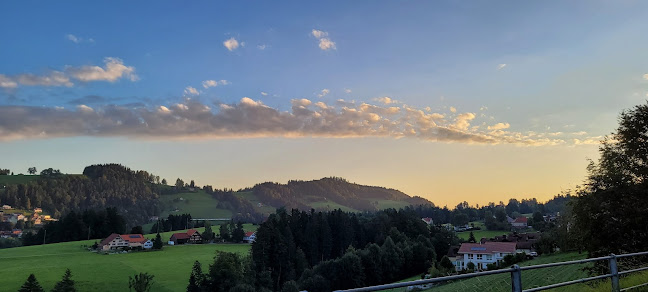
347,90
588,141
453,109
88,99
262,47
213,83
499,126
191,91
501,66
385,100
191,119
231,44
78,40
324,93
645,76
114,70
325,43
6,82
264,93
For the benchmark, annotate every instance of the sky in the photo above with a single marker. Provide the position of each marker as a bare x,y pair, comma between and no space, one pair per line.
477,101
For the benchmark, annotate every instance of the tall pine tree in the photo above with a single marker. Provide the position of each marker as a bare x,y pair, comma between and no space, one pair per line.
31,285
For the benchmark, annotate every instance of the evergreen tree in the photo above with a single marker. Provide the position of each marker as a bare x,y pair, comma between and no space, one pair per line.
471,238
66,284
157,243
208,234
224,232
196,279
137,230
31,285
142,282
238,233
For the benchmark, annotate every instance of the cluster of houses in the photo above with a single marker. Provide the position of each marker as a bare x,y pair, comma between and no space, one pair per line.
120,241
37,218
492,250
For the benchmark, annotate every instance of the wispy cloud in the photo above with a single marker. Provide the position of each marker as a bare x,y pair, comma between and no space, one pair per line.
231,44
264,93
325,43
501,66
213,83
191,91
324,93
252,118
78,40
385,100
347,90
262,46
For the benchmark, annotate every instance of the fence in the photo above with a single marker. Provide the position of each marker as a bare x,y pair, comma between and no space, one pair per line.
516,276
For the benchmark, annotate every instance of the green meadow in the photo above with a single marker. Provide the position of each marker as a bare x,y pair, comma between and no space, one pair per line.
96,272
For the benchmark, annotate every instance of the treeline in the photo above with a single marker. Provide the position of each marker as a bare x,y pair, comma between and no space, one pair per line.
173,223
75,226
338,190
336,250
133,193
241,208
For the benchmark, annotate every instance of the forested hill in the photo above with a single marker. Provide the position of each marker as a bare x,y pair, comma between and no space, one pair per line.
332,192
133,193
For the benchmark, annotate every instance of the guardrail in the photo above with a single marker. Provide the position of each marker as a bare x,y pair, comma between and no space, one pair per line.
516,276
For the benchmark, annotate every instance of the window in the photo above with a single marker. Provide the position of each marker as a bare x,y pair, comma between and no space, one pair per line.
479,257
470,256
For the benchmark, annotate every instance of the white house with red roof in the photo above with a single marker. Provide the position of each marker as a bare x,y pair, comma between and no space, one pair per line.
117,241
249,237
428,220
520,222
482,254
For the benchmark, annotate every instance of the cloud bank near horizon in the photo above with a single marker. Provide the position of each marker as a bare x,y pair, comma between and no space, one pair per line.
251,118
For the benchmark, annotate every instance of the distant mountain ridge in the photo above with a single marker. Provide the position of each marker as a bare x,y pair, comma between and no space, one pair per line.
311,194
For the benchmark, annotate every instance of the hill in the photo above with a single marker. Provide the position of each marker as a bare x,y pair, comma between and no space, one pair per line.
331,193
94,272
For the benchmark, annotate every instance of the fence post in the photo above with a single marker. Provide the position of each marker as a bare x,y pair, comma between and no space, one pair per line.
614,270
516,279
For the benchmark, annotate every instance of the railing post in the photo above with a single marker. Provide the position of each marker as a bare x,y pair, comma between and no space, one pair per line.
516,279
614,270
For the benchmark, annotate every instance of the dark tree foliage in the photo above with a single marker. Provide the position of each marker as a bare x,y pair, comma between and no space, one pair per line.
66,284
50,173
238,233
157,243
242,209
137,230
101,186
79,226
141,282
196,279
4,171
173,223
471,237
224,232
610,212
31,285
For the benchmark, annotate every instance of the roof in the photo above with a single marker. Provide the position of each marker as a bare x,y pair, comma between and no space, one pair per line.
179,236
487,247
133,237
521,220
248,234
191,232
427,220
109,239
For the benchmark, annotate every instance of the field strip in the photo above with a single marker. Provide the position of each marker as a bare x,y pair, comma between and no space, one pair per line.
42,255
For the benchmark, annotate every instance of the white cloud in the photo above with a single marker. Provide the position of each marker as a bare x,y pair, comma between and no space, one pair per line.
462,121
501,66
214,83
347,90
231,44
325,43
385,100
262,47
264,93
325,92
84,108
53,78
453,109
319,34
6,82
499,126
78,40
114,70
645,76
191,91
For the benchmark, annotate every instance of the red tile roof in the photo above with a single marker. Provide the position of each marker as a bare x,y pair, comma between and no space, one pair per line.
191,232
248,234
521,220
108,239
487,247
134,238
179,236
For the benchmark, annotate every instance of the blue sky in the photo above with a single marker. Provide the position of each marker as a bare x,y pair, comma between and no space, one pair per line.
467,82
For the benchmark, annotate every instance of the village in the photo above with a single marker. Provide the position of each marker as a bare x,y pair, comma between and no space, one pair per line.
13,222
137,242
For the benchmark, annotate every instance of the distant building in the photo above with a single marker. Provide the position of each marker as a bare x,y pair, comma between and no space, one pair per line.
428,220
191,236
117,241
148,244
38,210
520,223
6,207
249,237
482,254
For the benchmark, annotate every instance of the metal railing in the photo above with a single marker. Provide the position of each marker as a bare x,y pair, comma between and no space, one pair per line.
516,276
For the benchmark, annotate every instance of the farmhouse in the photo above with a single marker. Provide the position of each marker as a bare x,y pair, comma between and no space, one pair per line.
524,241
482,254
520,223
117,241
428,220
249,237
191,236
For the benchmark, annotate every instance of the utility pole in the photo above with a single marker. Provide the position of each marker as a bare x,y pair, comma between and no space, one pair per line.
44,236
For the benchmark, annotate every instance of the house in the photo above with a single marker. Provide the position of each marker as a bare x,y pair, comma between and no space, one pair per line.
6,207
428,220
191,236
194,236
249,237
520,223
482,254
148,244
509,219
524,241
134,240
113,241
38,210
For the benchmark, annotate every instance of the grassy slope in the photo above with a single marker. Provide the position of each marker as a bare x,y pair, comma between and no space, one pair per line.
94,272
17,179
199,204
252,198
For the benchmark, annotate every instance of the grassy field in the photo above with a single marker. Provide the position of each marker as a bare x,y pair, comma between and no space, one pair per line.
95,272
386,204
479,234
17,179
330,206
252,198
199,204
